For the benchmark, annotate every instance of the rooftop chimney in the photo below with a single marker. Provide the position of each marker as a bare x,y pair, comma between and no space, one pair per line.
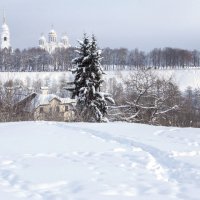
44,90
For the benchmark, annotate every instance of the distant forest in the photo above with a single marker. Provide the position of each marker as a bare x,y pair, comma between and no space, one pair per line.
36,59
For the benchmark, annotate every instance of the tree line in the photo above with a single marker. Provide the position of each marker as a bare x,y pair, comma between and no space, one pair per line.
36,59
157,58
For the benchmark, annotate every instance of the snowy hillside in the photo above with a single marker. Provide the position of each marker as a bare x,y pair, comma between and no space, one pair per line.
183,77
114,161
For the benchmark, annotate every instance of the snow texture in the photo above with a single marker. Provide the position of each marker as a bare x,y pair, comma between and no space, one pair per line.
183,77
112,161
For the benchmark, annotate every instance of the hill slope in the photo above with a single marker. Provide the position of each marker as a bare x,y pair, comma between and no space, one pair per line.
114,161
183,77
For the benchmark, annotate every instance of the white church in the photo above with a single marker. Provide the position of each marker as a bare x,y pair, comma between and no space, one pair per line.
5,35
53,43
50,46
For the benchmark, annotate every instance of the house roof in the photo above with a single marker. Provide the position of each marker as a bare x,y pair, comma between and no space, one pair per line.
42,99
37,100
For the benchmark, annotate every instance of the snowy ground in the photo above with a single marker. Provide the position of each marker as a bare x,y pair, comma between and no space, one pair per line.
114,161
183,77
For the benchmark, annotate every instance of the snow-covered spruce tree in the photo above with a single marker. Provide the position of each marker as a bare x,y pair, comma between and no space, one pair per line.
91,102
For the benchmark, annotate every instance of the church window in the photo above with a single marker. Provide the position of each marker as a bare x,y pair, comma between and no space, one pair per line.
5,38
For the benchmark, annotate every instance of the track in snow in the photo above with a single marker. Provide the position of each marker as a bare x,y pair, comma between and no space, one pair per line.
58,161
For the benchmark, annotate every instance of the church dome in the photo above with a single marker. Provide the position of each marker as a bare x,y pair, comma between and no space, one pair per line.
65,40
52,32
42,38
64,37
52,36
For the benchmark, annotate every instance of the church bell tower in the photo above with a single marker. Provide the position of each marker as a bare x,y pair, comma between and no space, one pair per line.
5,34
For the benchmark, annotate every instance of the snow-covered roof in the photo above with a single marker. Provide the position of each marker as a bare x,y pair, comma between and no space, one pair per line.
45,99
67,100
44,88
42,99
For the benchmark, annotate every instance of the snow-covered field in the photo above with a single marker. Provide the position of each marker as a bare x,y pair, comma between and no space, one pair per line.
113,161
183,77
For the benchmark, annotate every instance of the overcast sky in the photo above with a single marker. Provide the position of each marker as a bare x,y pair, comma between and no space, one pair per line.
142,24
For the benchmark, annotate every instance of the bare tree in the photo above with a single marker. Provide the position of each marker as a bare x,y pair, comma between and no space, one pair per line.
149,99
